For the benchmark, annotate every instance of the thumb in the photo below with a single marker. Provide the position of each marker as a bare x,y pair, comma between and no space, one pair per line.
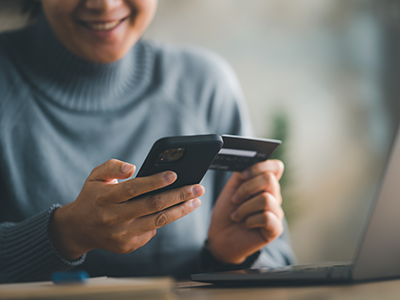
112,169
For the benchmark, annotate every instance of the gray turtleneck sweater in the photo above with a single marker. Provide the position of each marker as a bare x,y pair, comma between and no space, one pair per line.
60,117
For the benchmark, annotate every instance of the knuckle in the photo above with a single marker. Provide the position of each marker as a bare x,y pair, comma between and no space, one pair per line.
110,164
118,239
128,189
183,210
247,223
161,220
265,199
240,214
155,202
94,171
182,195
243,191
266,176
100,200
108,219
258,168
264,217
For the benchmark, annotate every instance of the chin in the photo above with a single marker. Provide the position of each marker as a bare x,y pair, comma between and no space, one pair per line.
105,51
103,57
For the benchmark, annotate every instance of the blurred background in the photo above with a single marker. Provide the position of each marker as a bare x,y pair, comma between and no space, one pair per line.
319,74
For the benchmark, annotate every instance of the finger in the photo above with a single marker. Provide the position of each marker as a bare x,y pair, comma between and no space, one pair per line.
270,224
157,202
272,165
126,190
264,182
155,221
260,203
112,169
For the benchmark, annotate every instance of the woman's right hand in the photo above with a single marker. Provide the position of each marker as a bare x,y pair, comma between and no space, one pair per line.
102,218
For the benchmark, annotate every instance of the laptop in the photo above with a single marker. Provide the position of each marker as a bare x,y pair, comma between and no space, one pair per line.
377,256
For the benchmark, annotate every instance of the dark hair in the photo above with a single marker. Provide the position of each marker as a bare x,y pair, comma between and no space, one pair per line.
31,8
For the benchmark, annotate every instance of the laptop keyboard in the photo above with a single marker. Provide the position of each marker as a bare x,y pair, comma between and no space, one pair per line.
313,273
301,268
334,271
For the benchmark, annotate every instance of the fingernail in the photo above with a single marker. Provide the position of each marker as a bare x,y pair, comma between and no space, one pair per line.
126,168
234,216
197,190
170,176
195,203
246,174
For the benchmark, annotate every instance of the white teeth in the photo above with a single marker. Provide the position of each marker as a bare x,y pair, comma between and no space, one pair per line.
103,26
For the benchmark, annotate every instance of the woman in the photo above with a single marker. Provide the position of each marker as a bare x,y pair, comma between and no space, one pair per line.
79,88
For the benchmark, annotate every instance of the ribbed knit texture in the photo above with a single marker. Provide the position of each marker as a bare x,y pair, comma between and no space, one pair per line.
60,117
27,252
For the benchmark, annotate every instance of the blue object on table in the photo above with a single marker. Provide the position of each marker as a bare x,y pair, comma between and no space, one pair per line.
69,277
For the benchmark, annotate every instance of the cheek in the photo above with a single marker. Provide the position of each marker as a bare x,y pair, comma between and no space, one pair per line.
59,8
59,13
142,12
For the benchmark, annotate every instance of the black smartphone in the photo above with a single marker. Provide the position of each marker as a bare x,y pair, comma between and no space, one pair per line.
188,156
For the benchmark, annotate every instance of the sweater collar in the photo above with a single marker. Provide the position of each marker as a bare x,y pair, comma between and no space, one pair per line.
75,83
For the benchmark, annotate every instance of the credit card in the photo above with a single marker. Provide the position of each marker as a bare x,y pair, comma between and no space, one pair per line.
239,152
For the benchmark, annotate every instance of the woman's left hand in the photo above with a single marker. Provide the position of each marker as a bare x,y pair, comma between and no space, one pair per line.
248,213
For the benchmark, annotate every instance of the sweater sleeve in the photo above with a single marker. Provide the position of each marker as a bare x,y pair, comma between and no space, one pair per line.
26,251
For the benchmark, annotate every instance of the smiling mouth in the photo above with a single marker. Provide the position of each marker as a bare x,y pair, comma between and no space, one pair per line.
102,26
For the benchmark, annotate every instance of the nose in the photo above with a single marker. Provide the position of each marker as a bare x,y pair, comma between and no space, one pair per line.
103,5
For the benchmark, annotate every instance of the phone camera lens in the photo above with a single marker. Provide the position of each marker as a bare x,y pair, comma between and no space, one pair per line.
170,155
177,153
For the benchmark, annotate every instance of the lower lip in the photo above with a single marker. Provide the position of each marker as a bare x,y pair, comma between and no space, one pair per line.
104,33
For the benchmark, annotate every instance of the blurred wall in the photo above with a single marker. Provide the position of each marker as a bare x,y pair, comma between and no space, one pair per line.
314,66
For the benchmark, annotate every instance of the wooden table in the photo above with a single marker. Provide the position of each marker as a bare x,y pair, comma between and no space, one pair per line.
383,290
167,289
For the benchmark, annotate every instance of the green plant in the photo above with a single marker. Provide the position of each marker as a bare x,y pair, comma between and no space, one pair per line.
281,131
